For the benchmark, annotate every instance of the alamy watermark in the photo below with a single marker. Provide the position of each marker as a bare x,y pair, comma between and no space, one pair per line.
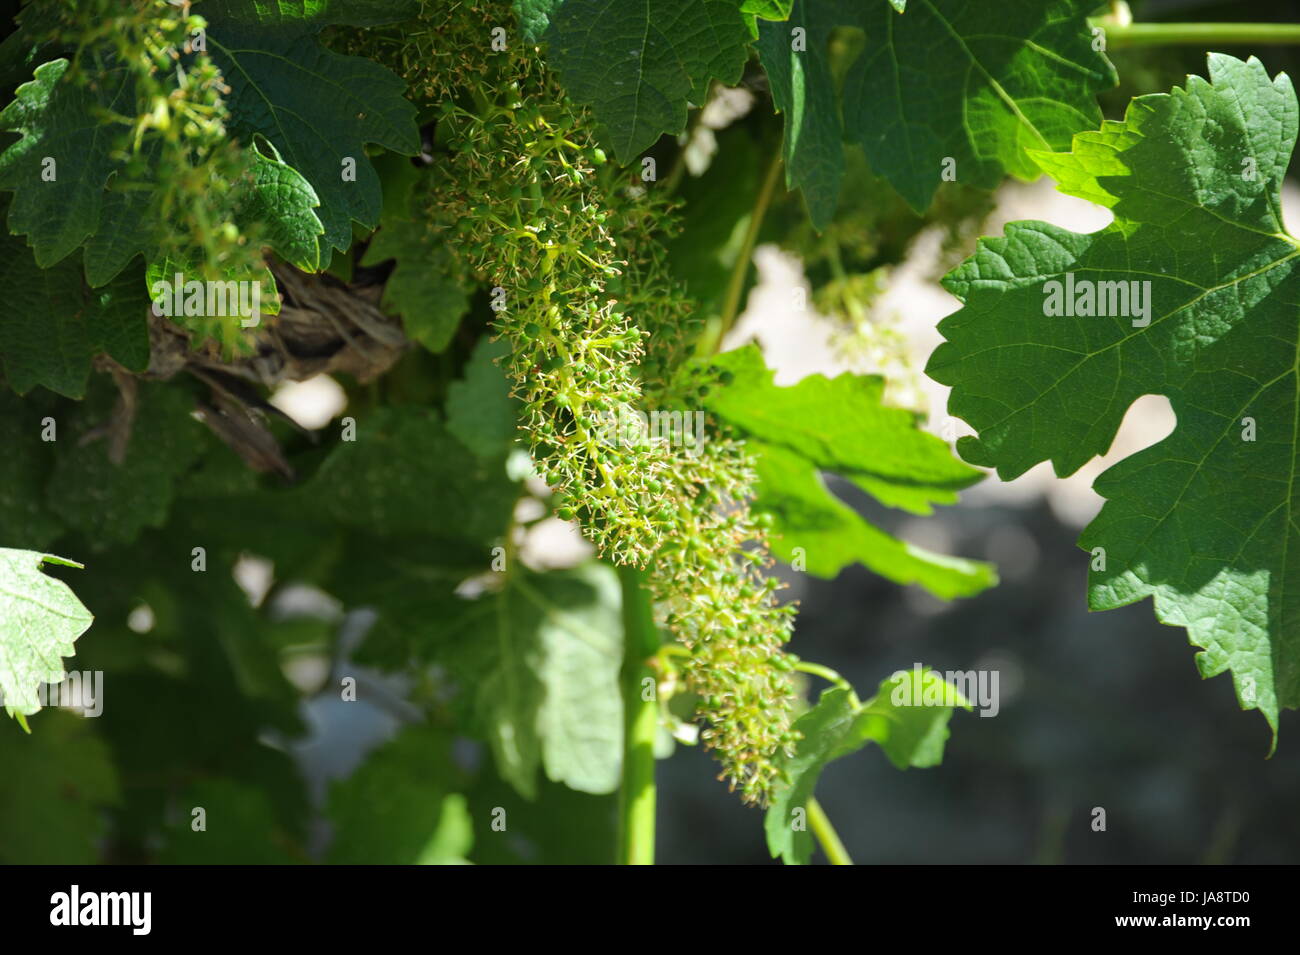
1086,298
979,687
133,910
625,428
177,297
82,691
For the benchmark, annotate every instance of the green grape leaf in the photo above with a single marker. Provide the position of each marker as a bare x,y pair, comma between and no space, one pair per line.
908,718
1190,293
394,519
423,287
40,619
111,503
539,660
382,482
57,324
54,791
767,9
842,425
283,202
24,468
274,13
639,65
755,10
803,89
280,202
480,409
534,17
936,84
60,121
60,124
390,810
817,532
319,109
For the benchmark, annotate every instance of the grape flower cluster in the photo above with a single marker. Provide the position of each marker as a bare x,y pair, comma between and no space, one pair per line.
599,330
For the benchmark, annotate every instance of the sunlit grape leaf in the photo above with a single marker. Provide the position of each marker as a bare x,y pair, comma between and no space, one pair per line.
908,718
942,82
61,206
534,17
273,13
842,425
391,807
1190,293
40,619
755,10
453,839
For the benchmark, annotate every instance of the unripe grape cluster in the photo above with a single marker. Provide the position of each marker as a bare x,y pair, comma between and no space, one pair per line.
599,331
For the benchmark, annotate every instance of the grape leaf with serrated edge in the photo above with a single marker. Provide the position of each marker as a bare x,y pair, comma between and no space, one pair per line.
1202,521
57,324
59,120
638,66
937,82
319,108
40,619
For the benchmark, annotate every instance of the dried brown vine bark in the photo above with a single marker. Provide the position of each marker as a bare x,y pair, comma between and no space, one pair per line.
325,326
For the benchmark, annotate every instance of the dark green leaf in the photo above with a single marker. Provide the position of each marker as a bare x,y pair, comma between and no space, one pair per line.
57,324
480,410
638,66
319,109
111,503
939,83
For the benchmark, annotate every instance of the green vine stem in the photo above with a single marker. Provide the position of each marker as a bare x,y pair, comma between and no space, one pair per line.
717,329
1208,35
826,835
636,836
825,672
